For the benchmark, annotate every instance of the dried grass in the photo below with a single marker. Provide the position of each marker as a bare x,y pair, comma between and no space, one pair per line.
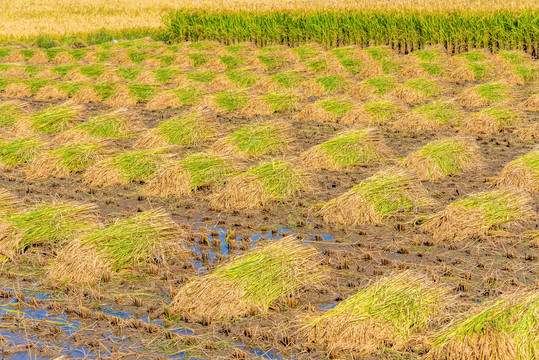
530,104
121,98
86,95
483,95
124,168
48,225
492,120
51,92
65,160
436,115
164,100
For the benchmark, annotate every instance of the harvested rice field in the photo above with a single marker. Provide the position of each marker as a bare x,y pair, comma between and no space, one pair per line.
206,201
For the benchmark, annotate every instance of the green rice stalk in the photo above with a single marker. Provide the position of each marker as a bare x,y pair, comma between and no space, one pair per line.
251,283
280,178
382,84
207,169
231,100
336,106
204,76
505,329
259,139
347,149
281,102
56,118
242,77
288,79
113,125
381,196
333,83
143,239
19,151
55,223
387,313
10,112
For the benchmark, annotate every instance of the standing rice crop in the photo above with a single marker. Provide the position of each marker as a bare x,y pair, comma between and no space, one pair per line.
251,283
388,313
149,238
377,198
341,25
474,216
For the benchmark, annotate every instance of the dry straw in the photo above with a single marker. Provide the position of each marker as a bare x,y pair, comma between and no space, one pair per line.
256,140
505,329
116,124
124,168
442,158
347,149
493,120
384,195
19,151
483,95
66,160
47,225
149,238
392,312
330,109
189,129
251,283
435,115
182,177
475,216
270,181
55,119
522,172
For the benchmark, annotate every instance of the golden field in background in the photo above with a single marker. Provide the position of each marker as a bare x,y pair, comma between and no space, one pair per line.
22,19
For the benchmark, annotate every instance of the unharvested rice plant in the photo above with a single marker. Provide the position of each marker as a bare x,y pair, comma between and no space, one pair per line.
269,180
